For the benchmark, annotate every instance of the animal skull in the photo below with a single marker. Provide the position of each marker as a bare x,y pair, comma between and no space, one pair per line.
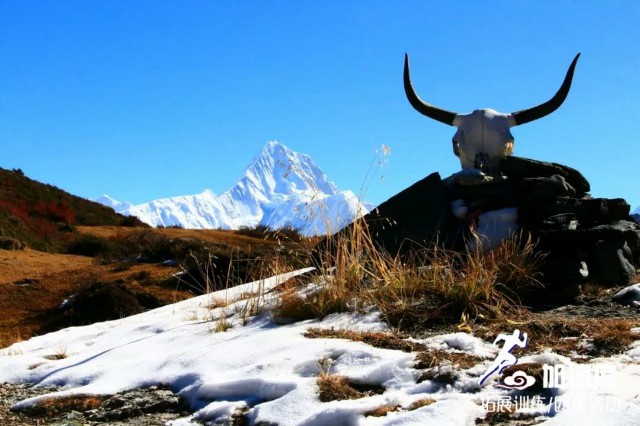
483,137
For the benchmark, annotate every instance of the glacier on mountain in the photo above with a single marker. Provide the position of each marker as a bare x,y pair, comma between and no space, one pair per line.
280,188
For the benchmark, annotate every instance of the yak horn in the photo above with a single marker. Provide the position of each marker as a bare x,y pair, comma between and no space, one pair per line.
421,106
527,115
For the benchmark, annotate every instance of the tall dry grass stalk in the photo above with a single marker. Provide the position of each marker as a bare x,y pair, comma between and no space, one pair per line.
426,287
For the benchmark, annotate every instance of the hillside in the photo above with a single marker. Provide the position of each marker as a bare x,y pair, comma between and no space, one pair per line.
35,284
44,216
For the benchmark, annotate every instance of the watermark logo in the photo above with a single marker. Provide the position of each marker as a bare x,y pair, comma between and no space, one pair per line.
552,376
559,376
505,358
518,380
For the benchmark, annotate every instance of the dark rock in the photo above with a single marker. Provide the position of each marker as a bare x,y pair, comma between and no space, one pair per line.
520,168
619,209
486,196
564,277
532,213
137,403
565,221
535,194
544,188
613,263
587,237
102,302
416,217
96,301
628,296
620,228
601,210
592,211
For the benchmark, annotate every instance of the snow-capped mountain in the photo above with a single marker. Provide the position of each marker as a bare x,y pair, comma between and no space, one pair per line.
279,188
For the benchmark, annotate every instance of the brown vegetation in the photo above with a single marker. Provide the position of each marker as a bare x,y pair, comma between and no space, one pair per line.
376,339
50,407
423,402
333,387
33,284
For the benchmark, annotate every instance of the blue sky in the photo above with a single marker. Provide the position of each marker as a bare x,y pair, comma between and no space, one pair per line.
149,99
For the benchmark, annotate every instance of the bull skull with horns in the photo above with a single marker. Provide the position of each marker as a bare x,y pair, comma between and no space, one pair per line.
483,137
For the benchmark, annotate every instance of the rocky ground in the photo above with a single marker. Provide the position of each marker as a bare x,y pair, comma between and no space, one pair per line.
140,407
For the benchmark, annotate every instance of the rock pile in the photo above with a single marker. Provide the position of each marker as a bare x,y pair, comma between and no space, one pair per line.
585,239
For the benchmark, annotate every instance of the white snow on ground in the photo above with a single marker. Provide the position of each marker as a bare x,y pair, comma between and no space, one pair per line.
271,369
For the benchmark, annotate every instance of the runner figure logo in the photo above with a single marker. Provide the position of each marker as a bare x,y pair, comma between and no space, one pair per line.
505,358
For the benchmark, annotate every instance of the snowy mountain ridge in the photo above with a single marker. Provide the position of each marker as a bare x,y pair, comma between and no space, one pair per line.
279,188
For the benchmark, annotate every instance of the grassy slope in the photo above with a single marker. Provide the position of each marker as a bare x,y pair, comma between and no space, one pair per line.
43,216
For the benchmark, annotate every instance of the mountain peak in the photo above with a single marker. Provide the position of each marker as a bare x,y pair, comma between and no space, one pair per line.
280,170
105,200
279,188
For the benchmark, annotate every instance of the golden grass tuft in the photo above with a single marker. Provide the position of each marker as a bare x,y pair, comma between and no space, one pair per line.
376,338
614,336
423,402
222,325
8,339
382,411
324,301
431,286
334,387
217,302
429,358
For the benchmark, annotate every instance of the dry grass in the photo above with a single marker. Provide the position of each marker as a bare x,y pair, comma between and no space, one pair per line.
10,338
571,335
429,287
217,302
429,358
423,402
382,411
613,336
437,363
375,339
222,325
333,388
324,301
61,352
50,407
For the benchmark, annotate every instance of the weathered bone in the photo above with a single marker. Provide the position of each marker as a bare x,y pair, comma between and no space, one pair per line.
483,137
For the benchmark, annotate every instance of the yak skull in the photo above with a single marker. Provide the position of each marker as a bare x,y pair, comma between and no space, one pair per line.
484,138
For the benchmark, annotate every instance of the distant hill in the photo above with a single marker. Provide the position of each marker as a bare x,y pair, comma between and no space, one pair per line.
44,216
